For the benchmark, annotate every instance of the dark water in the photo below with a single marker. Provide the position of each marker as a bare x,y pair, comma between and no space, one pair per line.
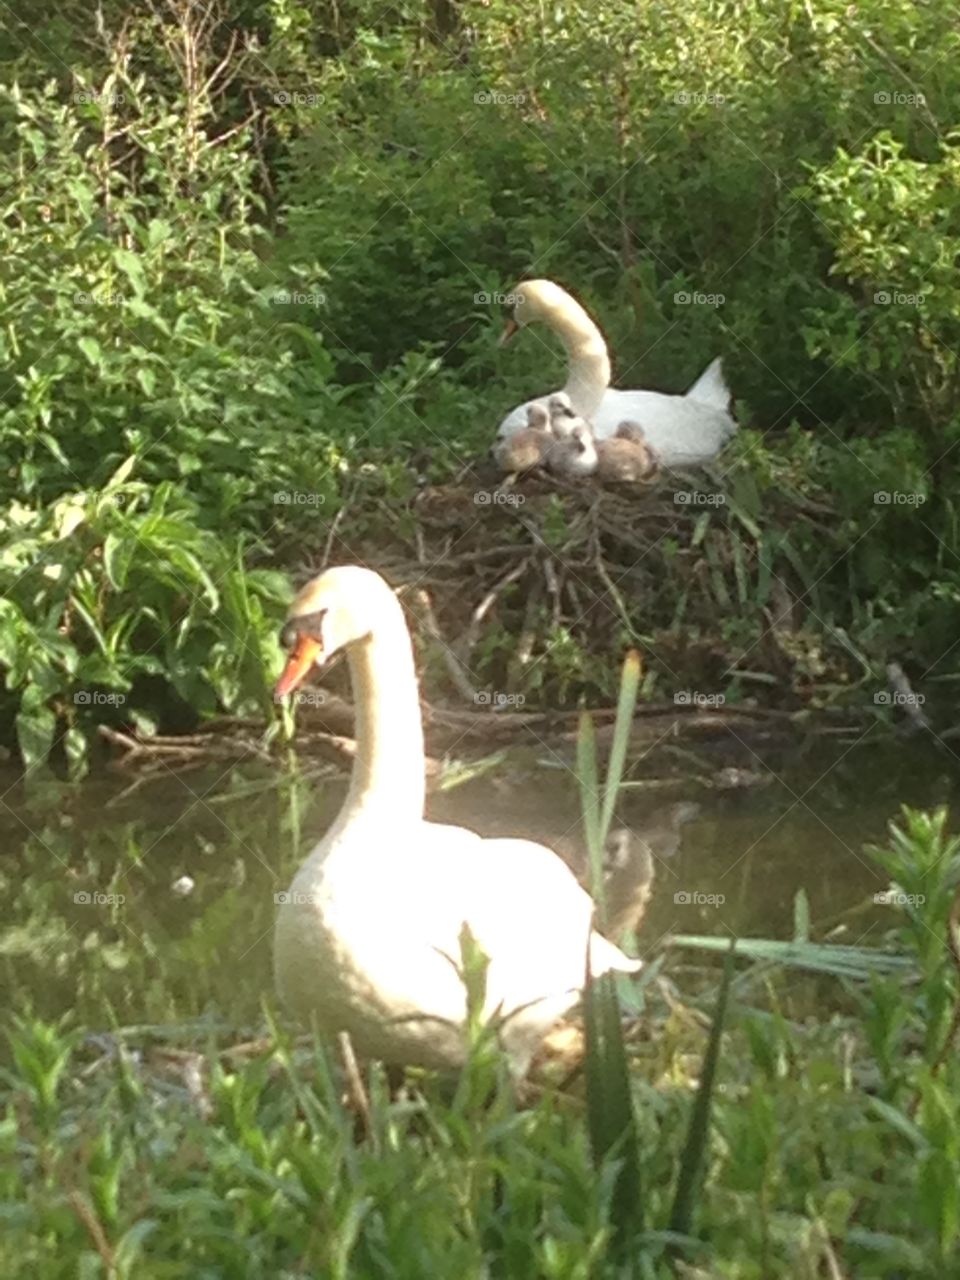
96,920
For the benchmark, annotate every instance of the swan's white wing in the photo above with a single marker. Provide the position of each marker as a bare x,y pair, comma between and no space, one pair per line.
681,430
711,387
527,911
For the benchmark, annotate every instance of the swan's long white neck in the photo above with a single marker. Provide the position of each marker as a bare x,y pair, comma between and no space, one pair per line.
588,373
388,771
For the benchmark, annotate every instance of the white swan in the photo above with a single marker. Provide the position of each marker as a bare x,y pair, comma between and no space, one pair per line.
683,430
368,937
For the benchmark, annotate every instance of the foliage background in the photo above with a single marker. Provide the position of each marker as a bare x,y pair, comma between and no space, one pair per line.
244,248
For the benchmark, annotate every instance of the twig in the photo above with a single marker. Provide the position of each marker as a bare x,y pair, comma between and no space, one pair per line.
334,526
527,637
472,633
192,1072
355,1086
611,586
455,668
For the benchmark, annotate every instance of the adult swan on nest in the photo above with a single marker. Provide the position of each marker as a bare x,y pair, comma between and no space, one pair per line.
682,430
368,939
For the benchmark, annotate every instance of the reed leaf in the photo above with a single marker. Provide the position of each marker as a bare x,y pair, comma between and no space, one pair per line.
626,704
589,779
695,1149
610,1117
841,961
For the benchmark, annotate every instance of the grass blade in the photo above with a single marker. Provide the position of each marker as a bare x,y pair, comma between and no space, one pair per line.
590,807
695,1148
610,1116
626,704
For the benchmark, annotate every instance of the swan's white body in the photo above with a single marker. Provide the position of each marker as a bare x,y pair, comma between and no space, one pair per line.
683,430
368,940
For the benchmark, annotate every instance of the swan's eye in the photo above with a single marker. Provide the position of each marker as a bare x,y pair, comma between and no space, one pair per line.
311,624
305,624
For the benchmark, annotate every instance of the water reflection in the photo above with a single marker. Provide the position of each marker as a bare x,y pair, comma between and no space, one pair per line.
158,904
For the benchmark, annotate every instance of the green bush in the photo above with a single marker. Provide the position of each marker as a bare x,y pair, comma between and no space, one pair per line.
256,271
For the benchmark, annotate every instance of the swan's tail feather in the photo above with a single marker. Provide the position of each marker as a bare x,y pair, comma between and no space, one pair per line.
711,388
606,958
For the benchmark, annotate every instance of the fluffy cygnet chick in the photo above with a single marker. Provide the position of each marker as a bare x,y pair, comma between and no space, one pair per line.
626,457
631,431
575,455
527,448
562,416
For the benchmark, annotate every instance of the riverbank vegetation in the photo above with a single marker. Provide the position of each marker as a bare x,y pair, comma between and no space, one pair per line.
194,1144
256,257
250,279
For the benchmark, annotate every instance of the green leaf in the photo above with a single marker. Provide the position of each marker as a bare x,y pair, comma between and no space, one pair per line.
118,553
35,729
92,350
158,230
122,473
142,310
626,705
132,268
76,748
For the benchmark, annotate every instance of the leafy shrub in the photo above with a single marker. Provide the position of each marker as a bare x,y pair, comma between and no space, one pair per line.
117,601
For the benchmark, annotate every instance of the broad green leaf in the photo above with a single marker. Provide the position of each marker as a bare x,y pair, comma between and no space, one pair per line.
92,350
122,473
132,267
35,730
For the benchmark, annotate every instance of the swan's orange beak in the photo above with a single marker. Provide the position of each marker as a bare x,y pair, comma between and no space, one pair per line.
302,658
509,329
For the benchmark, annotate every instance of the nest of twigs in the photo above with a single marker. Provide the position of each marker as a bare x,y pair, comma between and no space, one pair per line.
523,597
531,589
